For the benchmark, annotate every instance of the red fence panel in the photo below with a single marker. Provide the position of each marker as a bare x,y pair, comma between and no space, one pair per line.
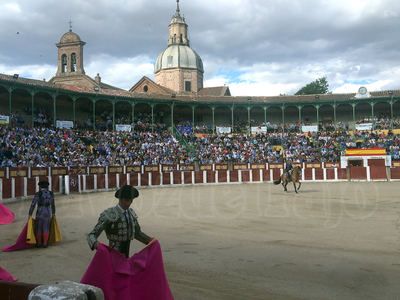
155,178
134,179
330,174
187,177
378,173
276,173
144,179
55,184
6,188
177,177
319,174
358,173
166,178
90,182
256,175
198,177
307,174
245,176
112,180
31,188
210,176
395,173
266,175
222,176
101,181
234,176
19,186
342,174
376,162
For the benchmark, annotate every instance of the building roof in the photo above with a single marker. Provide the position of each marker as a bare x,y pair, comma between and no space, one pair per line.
178,56
70,37
215,91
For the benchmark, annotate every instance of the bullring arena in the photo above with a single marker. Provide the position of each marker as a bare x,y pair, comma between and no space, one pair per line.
241,241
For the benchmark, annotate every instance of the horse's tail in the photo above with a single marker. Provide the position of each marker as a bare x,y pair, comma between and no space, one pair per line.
278,181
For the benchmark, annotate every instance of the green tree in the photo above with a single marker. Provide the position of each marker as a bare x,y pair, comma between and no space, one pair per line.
319,86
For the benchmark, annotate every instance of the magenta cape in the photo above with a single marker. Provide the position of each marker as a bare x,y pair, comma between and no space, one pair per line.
21,243
6,215
5,276
140,277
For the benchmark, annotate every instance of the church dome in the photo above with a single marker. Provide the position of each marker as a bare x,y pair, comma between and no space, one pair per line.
178,56
70,37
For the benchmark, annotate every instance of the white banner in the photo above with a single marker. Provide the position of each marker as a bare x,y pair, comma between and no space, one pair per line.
309,128
65,124
4,120
222,130
123,127
364,126
259,129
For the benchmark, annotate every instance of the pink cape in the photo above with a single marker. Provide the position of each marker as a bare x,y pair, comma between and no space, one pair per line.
6,215
21,243
140,277
5,276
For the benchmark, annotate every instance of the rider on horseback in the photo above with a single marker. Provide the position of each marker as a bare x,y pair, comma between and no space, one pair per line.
288,169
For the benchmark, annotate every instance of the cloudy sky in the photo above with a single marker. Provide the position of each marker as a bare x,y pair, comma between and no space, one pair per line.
257,47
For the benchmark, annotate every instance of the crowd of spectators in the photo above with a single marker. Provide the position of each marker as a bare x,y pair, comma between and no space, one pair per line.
43,146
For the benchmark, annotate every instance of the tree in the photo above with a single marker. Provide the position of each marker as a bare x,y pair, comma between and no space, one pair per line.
319,86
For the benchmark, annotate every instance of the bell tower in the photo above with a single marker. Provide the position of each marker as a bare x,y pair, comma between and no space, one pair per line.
70,54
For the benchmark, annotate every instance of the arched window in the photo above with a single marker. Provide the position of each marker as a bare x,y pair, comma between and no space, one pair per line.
175,38
181,38
145,89
73,62
63,63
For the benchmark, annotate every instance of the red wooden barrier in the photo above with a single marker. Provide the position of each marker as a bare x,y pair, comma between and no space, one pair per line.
19,187
210,177
330,174
6,188
234,176
166,178
31,189
90,182
222,176
134,179
245,176
144,179
266,175
276,173
198,177
155,178
376,162
187,177
342,174
319,174
358,173
101,181
55,184
112,180
256,175
177,177
307,174
378,172
395,173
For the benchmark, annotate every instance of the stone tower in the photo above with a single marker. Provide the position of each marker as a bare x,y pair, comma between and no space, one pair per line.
70,55
179,67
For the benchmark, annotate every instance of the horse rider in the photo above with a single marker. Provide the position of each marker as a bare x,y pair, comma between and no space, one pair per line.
288,169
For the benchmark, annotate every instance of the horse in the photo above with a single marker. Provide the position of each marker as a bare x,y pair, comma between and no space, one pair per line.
295,177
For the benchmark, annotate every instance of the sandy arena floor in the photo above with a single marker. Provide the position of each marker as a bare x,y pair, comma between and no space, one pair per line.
252,241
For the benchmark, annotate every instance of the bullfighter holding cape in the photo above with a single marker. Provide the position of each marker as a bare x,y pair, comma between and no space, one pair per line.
141,276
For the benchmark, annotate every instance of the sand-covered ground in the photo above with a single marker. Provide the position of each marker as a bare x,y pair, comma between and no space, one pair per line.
250,241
